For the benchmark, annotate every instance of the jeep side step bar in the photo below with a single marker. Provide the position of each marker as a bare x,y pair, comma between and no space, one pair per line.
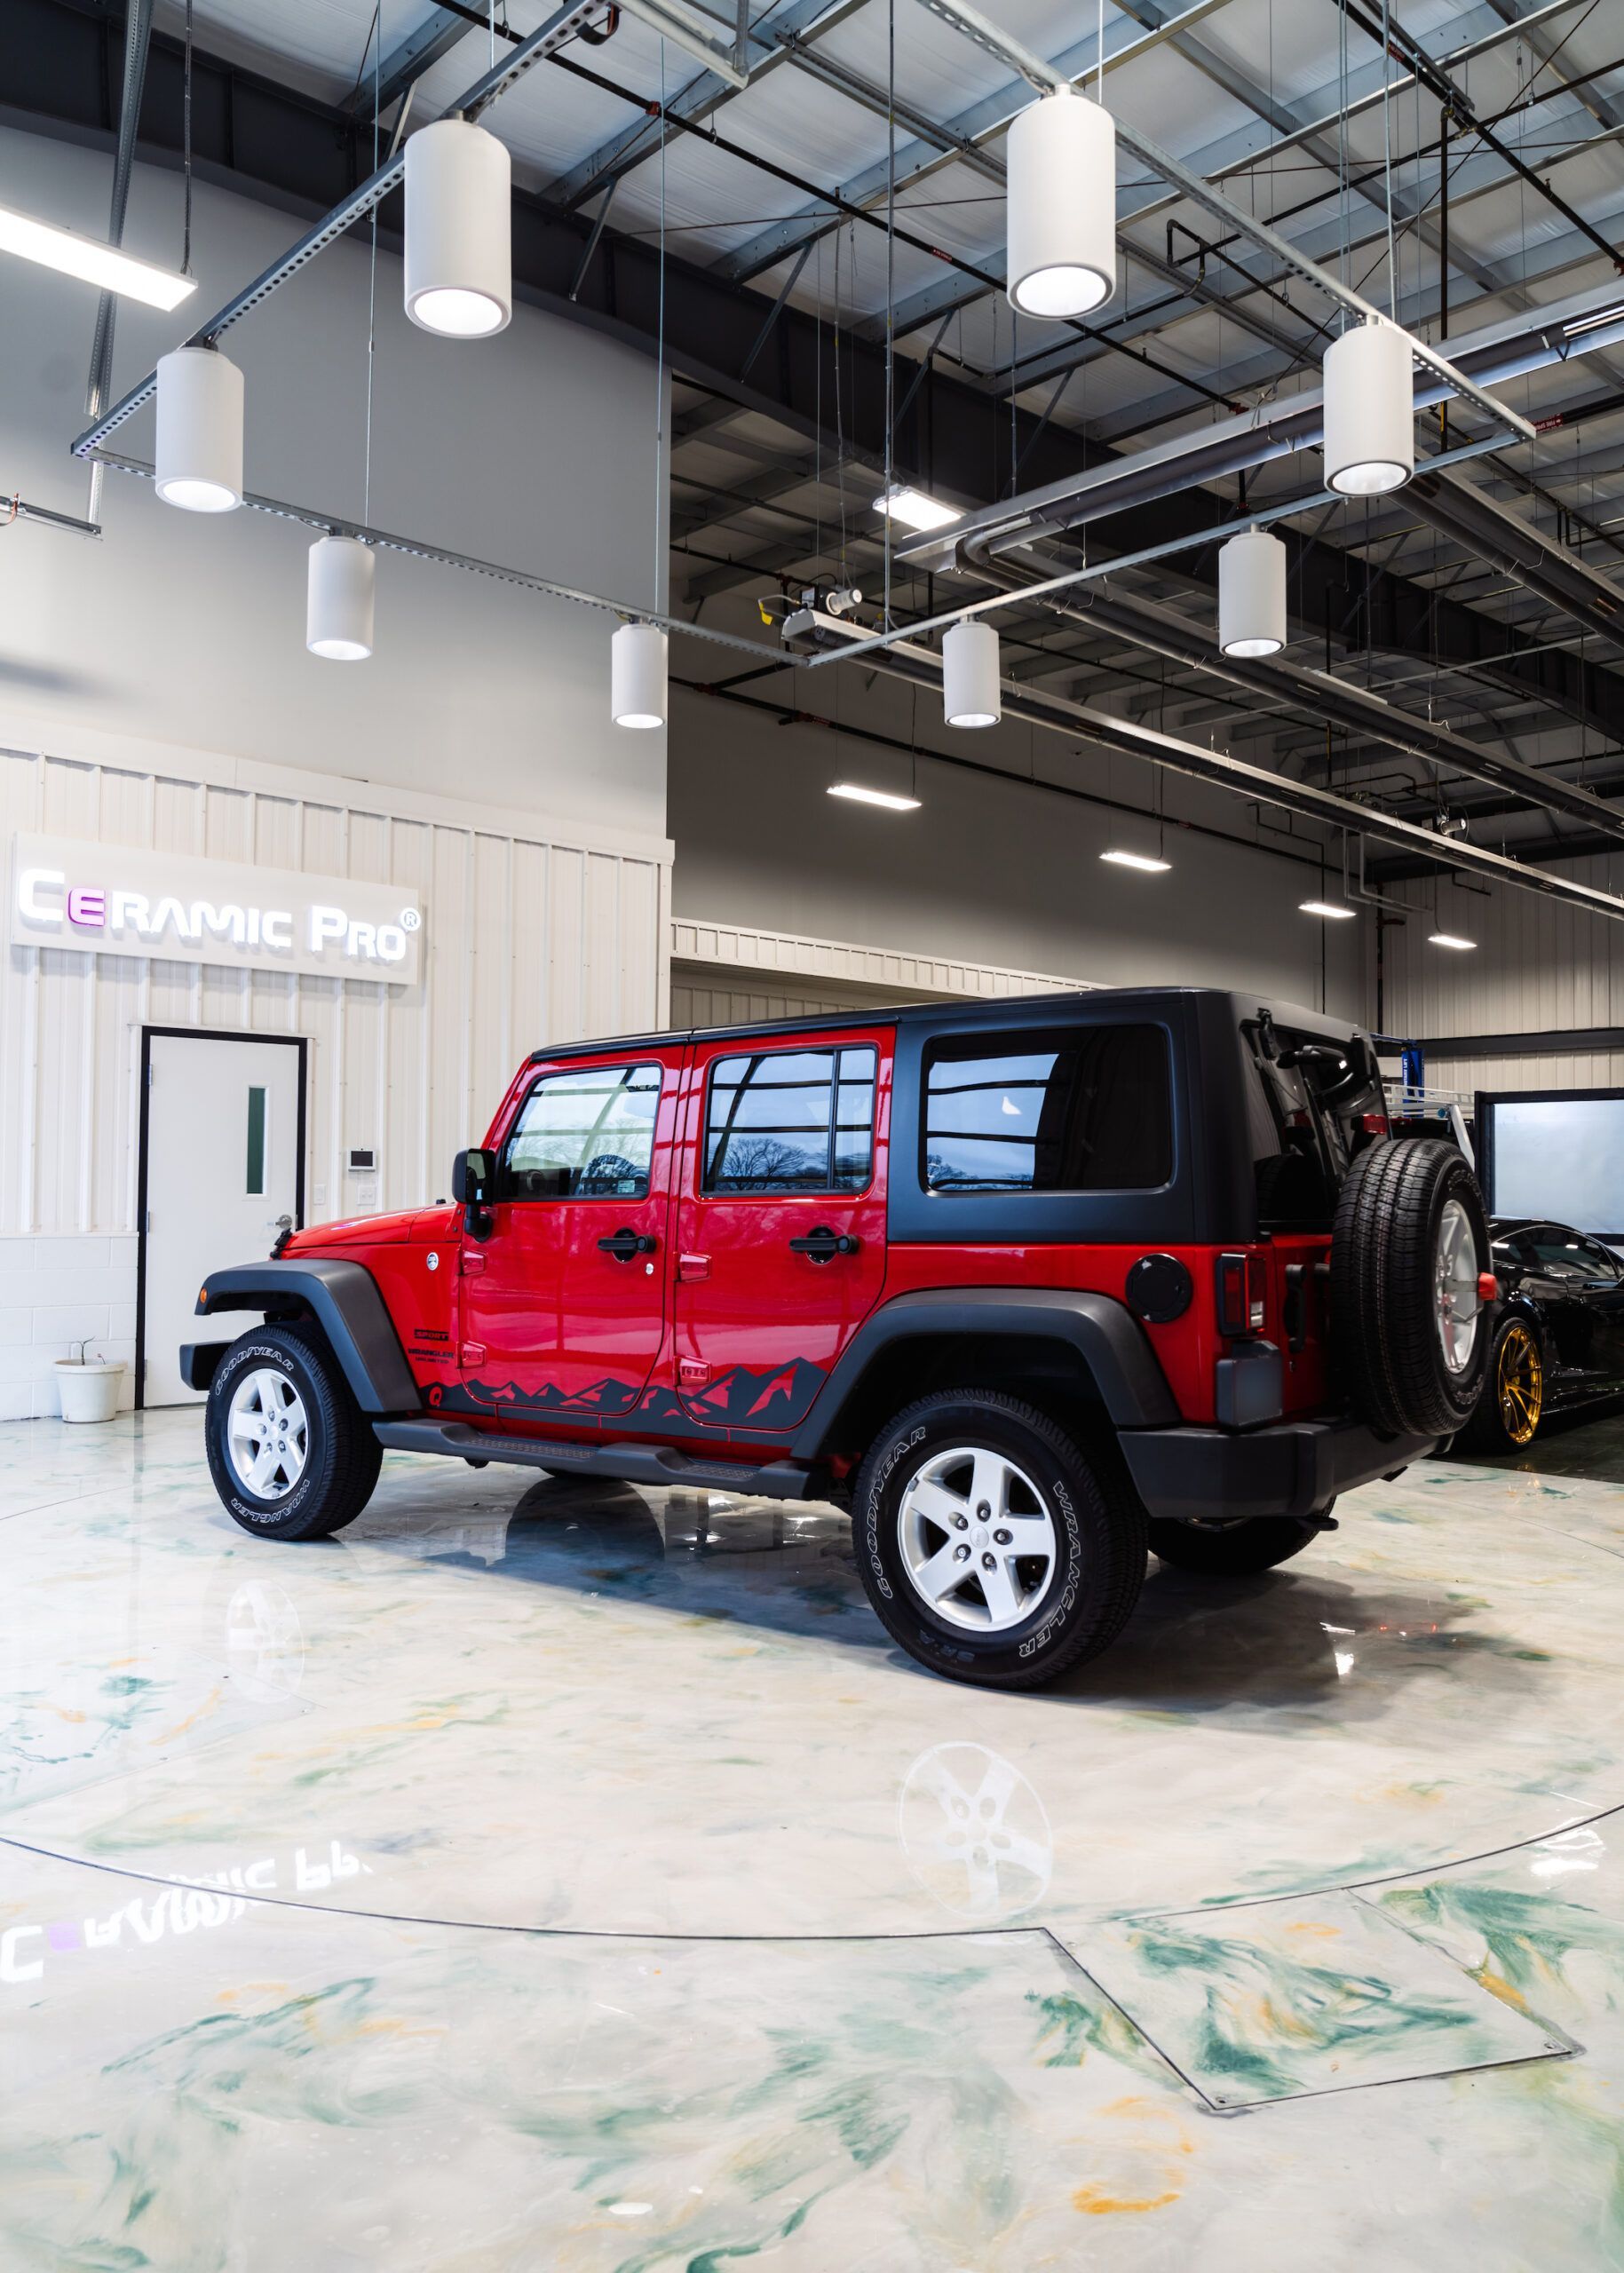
662,1464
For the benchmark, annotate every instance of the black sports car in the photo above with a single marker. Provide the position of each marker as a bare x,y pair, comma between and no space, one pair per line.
1557,1332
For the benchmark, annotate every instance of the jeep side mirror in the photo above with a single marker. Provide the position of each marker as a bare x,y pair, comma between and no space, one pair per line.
473,1184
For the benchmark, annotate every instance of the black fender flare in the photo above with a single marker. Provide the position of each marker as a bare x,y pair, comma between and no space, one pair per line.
1104,1332
345,1301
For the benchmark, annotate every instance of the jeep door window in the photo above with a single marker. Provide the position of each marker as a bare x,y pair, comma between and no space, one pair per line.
1085,1108
791,1121
584,1135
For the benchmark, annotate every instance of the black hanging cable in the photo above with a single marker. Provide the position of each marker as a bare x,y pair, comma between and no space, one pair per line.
377,64
890,280
186,113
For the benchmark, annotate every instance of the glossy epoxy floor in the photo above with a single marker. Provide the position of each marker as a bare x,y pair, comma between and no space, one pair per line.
573,1878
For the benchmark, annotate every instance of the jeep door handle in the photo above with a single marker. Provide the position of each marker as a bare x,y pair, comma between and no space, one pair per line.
623,1244
824,1245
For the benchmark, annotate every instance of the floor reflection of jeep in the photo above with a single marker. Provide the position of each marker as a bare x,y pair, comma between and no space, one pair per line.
1032,1287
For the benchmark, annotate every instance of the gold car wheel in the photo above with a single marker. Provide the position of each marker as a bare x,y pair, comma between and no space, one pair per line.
1519,1384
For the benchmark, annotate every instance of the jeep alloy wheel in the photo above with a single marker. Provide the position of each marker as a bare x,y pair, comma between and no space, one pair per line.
291,1454
994,1548
977,1539
267,1433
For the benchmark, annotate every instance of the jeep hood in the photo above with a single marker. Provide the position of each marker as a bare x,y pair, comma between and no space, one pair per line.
354,1230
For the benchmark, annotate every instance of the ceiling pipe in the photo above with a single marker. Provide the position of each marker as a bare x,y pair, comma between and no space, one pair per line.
1508,544
1578,326
1330,701
810,627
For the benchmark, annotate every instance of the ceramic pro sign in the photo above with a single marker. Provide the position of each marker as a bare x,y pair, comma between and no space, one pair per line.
108,900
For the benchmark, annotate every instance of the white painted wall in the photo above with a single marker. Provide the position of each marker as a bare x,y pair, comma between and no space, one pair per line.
535,449
529,934
991,871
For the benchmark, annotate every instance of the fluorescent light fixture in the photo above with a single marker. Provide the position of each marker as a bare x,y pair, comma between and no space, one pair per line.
91,261
1327,909
1451,939
1136,861
858,795
1593,322
914,509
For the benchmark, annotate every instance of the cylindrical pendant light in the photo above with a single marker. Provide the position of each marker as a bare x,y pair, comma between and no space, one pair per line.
637,674
198,461
969,675
1252,594
459,233
1369,411
1060,207
338,604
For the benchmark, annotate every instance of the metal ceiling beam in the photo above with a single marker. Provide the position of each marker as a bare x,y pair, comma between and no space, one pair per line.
1337,702
1513,545
564,24
1201,192
1496,354
942,142
410,59
1082,721
259,139
989,118
805,21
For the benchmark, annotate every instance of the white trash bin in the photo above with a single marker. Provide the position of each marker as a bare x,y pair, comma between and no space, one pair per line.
88,1387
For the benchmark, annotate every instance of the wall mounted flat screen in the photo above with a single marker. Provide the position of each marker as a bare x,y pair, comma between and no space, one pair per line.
1554,1153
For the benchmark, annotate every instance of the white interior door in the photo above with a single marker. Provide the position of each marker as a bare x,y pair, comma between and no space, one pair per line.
222,1167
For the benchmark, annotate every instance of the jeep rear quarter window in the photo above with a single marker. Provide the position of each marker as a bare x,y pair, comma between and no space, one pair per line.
1080,1108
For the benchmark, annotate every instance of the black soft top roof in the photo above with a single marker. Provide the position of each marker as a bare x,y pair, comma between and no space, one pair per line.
1010,1011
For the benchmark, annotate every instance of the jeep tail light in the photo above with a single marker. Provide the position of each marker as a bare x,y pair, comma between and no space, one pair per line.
1373,1124
1238,1280
1234,1311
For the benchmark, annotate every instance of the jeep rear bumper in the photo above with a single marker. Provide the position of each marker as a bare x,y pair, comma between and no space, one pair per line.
1294,1469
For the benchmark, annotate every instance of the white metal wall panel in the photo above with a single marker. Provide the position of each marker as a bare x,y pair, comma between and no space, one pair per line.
734,947
1538,966
527,940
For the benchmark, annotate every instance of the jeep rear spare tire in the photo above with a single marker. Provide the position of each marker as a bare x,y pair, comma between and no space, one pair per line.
1409,1249
990,1546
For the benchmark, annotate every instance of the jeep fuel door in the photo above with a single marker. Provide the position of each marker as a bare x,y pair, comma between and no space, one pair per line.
780,1246
563,1303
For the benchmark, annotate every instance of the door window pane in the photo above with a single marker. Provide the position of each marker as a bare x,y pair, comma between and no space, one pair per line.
1562,1253
1077,1109
790,1121
255,1142
584,1135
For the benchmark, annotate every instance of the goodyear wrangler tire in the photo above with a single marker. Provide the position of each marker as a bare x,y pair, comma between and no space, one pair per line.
992,1548
291,1454
1408,1322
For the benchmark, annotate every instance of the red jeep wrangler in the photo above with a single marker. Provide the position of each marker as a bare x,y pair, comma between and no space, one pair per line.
1028,1286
